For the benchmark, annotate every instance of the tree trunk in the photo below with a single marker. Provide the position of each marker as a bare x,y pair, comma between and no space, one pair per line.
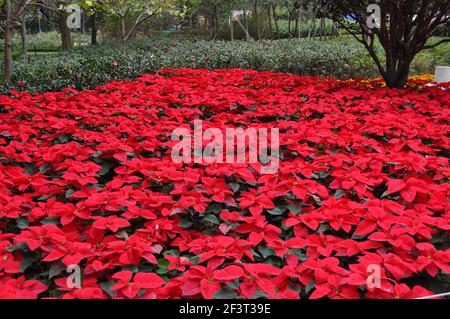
82,23
312,26
337,31
94,29
23,35
123,30
258,31
397,73
289,23
215,21
269,14
9,30
66,36
230,9
322,28
247,35
275,20
296,27
300,20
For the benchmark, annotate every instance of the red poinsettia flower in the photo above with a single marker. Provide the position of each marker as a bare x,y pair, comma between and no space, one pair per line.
129,285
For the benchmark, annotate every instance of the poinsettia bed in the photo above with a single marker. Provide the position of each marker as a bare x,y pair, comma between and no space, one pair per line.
87,180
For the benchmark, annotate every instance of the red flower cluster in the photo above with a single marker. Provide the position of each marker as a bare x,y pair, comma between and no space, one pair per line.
87,179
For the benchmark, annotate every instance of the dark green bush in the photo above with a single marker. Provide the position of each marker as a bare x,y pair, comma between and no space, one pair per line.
87,67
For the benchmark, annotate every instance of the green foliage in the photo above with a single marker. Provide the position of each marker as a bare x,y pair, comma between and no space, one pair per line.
86,67
46,41
89,66
425,61
122,7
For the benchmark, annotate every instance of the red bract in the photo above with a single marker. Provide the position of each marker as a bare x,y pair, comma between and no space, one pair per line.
113,223
87,179
20,288
130,287
177,263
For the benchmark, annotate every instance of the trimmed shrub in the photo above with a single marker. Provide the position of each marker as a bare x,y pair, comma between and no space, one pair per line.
86,67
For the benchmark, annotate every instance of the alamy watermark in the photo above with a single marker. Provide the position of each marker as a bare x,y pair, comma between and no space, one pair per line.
74,16
374,277
229,145
374,18
73,281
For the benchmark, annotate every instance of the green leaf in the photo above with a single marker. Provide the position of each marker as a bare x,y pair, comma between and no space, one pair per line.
309,286
172,252
22,223
106,287
339,193
294,208
260,294
21,246
265,251
24,264
50,220
176,211
323,228
274,261
194,260
44,168
45,198
277,211
316,199
234,187
233,284
225,293
63,138
131,268
106,166
55,270
215,208
185,223
141,292
162,266
69,193
212,219
299,253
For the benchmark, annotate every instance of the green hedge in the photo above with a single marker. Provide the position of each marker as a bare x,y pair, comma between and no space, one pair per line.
87,67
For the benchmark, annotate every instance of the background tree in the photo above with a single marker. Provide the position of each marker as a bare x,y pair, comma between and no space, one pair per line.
23,36
93,8
59,9
13,10
66,35
142,9
403,30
